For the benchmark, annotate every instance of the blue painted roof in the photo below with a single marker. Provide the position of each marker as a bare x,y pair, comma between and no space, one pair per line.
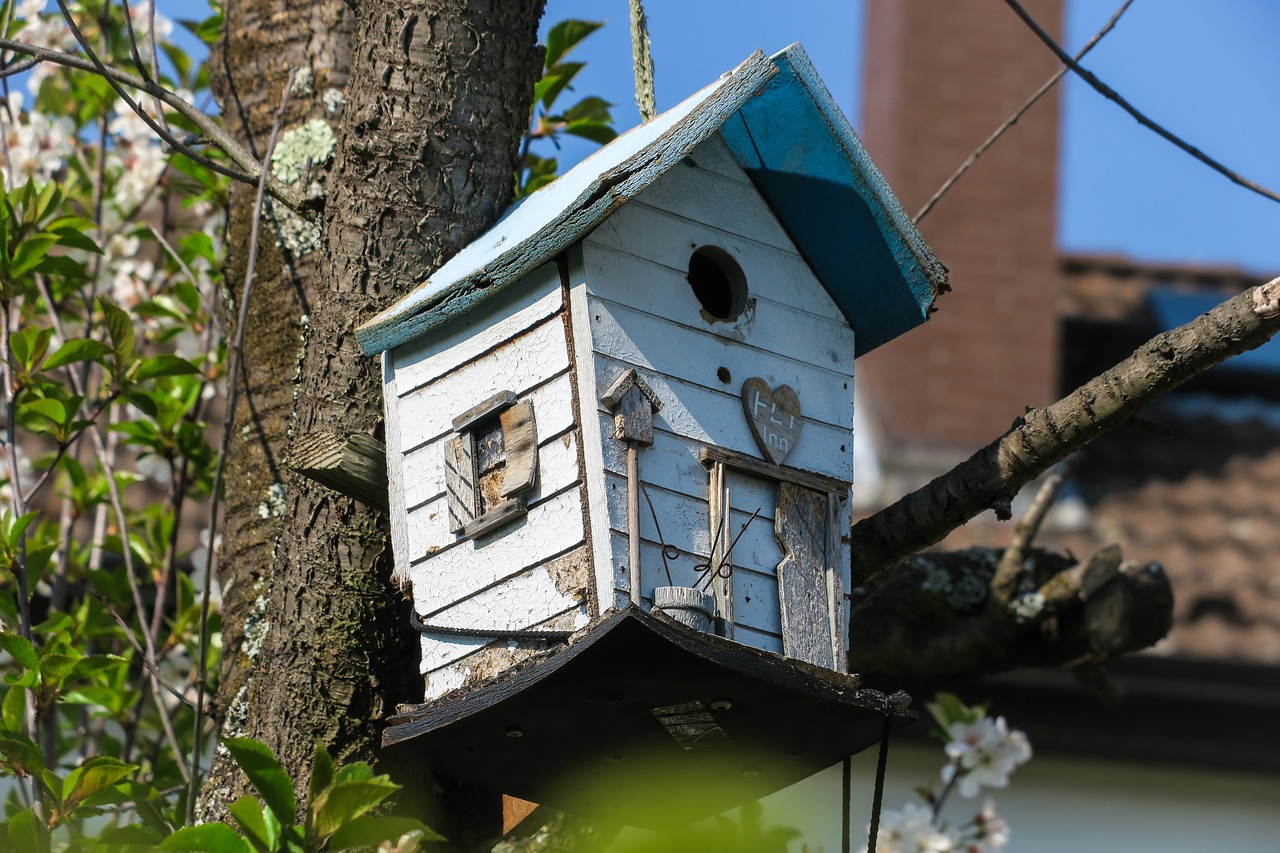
784,129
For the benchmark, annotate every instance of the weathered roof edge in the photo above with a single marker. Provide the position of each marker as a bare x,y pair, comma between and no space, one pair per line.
935,276
825,191
461,284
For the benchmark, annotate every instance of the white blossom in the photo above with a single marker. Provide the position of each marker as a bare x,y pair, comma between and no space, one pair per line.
35,145
911,830
984,752
990,831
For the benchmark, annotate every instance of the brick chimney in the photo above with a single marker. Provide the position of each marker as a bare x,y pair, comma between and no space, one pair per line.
940,77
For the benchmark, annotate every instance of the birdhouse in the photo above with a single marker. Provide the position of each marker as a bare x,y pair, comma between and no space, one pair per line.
620,453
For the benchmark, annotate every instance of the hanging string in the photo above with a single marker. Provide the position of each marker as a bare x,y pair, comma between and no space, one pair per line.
642,59
846,798
890,703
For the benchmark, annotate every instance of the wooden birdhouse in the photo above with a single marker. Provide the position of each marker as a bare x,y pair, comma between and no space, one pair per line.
620,452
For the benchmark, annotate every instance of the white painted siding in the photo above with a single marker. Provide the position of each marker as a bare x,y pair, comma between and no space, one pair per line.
524,574
629,278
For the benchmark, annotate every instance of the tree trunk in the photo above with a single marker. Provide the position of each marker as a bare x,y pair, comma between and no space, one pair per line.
261,43
436,104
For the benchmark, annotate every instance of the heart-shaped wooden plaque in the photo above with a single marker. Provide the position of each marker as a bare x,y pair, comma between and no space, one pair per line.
774,417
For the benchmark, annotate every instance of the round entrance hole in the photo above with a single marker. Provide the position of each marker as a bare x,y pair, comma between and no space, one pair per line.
718,282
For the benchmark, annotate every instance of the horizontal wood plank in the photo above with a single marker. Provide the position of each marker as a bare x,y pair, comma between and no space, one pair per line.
558,466
756,467
713,155
455,573
472,335
521,364
773,274
662,319
755,594
706,197
716,417
423,466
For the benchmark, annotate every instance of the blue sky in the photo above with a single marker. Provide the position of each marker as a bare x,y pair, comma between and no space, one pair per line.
1205,70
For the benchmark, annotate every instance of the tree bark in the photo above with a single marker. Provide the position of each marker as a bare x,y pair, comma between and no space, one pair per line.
437,101
262,41
1044,437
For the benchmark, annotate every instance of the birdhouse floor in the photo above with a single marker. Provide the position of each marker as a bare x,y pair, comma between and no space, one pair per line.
642,721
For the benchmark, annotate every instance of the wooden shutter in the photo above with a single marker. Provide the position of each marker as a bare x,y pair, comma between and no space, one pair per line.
521,438
460,481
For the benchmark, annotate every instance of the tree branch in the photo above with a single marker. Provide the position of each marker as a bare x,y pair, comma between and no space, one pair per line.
937,618
213,131
1044,437
1114,96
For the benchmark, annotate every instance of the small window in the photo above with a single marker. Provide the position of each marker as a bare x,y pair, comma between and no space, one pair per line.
491,463
719,284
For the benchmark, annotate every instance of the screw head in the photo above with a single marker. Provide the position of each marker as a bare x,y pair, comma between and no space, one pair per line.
721,705
514,732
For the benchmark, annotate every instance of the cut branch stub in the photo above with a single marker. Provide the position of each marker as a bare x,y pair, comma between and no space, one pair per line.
355,465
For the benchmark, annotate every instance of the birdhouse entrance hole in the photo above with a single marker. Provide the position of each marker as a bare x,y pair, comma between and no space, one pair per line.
718,282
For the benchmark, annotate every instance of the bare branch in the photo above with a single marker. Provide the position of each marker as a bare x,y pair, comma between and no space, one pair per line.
1025,531
1017,114
215,133
1044,437
1114,96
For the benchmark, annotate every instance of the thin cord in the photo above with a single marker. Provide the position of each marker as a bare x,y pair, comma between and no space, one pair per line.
846,797
881,765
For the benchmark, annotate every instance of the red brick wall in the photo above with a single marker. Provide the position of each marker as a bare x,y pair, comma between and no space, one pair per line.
941,75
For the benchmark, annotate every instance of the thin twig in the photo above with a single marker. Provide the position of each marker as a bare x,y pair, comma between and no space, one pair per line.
228,423
142,656
1112,95
214,132
1024,533
1017,114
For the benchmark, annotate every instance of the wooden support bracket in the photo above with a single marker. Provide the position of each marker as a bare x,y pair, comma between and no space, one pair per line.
355,465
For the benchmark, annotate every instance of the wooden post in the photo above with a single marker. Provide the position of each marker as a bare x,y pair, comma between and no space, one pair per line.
633,519
633,404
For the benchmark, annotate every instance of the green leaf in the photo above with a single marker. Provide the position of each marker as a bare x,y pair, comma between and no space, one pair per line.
73,238
19,527
120,328
268,777
77,349
589,109
566,35
28,833
371,830
20,648
164,365
347,802
554,81
46,407
31,252
14,708
101,771
253,823
593,130
206,838
321,777
21,754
